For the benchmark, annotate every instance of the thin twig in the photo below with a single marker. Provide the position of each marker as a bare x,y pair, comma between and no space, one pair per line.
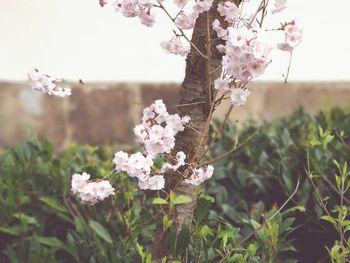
189,104
189,126
216,70
204,131
288,69
235,148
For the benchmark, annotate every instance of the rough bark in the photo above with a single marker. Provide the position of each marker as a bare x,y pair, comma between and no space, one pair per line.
196,95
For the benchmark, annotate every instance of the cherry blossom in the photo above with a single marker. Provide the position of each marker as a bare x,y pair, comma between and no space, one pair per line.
246,56
222,85
47,84
137,8
90,192
147,17
155,182
179,161
200,175
230,11
157,134
184,21
202,6
175,46
293,36
221,33
180,3
239,96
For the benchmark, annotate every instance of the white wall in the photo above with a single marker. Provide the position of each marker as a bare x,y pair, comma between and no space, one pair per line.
76,39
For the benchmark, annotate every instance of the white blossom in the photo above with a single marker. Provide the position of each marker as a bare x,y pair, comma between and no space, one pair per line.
90,192
239,96
200,175
47,84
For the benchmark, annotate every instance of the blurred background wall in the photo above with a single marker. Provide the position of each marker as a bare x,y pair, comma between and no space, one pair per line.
125,69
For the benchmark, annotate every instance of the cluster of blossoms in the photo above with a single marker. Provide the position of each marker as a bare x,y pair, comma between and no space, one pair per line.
246,54
175,46
293,34
183,20
200,175
135,8
157,134
90,192
47,84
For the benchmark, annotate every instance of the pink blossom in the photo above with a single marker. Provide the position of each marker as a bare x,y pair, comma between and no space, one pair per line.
221,33
202,6
47,84
179,161
239,96
230,11
200,175
90,192
222,85
155,182
180,3
184,21
175,46
293,36
147,17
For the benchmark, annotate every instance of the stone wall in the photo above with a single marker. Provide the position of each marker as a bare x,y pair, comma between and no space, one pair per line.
99,113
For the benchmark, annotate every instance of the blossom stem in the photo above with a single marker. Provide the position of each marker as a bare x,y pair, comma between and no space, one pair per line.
289,66
234,149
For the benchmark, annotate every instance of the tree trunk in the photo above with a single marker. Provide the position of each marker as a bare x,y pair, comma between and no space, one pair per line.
196,98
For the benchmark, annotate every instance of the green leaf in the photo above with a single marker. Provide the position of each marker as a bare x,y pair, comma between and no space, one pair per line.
205,231
79,224
139,249
27,219
167,222
328,139
315,142
207,198
330,219
100,231
159,201
51,242
54,204
182,199
10,230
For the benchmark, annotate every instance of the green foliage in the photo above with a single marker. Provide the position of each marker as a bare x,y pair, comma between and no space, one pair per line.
267,167
41,221
236,218
339,215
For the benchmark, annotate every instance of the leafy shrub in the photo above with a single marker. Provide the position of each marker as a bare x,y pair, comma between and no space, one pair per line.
266,169
236,219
